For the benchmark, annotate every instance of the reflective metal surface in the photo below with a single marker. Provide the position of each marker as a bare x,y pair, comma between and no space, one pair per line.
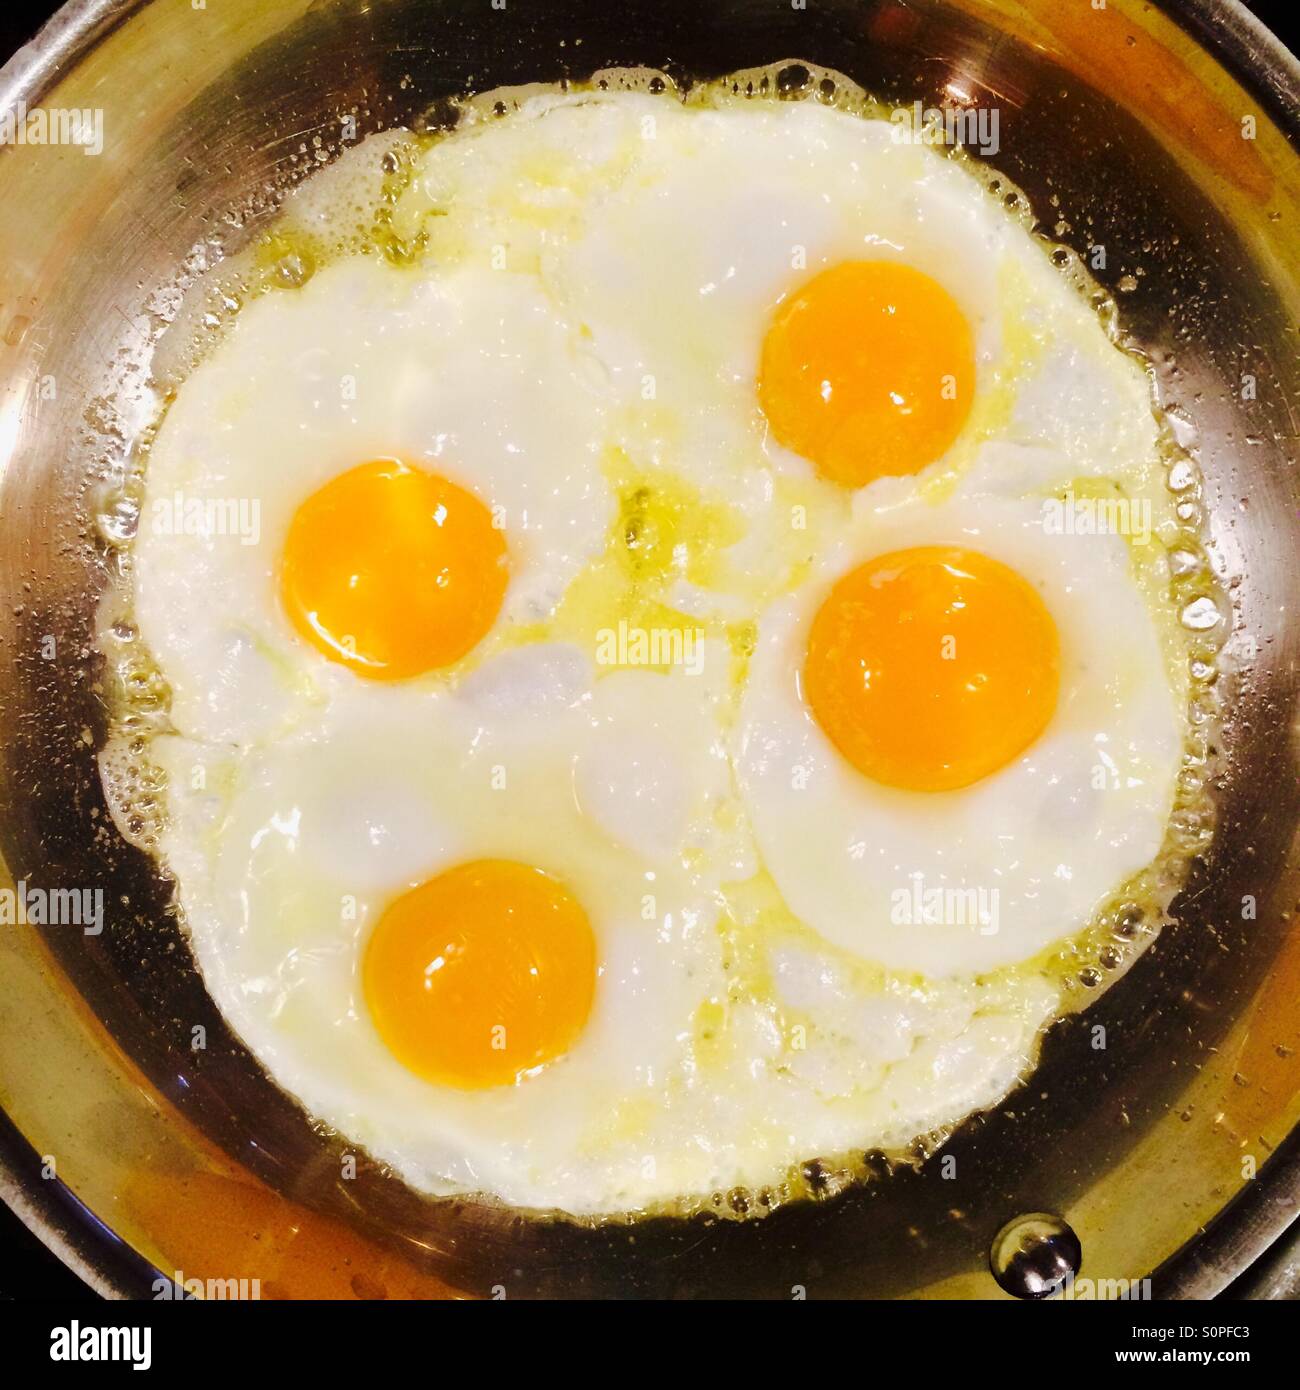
1118,124
1035,1256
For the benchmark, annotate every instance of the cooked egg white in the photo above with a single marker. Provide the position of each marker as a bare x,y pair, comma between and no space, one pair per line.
563,346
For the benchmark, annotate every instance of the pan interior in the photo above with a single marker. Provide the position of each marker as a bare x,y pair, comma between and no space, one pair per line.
1196,1073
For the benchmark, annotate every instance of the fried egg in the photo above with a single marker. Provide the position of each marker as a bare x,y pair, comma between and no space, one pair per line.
315,868
363,405
960,701
626,705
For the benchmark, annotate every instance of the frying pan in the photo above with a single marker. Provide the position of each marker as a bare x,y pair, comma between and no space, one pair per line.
1163,133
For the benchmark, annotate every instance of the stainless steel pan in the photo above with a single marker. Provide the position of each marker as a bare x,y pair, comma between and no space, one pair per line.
1165,134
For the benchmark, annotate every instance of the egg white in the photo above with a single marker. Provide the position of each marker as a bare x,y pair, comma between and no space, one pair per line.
575,325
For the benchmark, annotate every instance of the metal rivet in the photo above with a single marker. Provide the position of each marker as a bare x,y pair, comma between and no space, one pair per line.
1034,1255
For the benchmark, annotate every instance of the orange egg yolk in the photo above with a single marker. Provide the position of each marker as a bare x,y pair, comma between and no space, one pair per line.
393,571
933,667
868,371
482,974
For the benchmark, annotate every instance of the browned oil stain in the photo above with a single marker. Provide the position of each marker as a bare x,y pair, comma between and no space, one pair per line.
218,1227
1267,1065
1113,53
218,1223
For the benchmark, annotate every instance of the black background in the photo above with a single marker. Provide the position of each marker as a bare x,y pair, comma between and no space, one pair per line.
27,1269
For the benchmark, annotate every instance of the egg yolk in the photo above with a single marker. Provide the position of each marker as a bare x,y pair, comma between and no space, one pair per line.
933,667
393,571
482,974
868,371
